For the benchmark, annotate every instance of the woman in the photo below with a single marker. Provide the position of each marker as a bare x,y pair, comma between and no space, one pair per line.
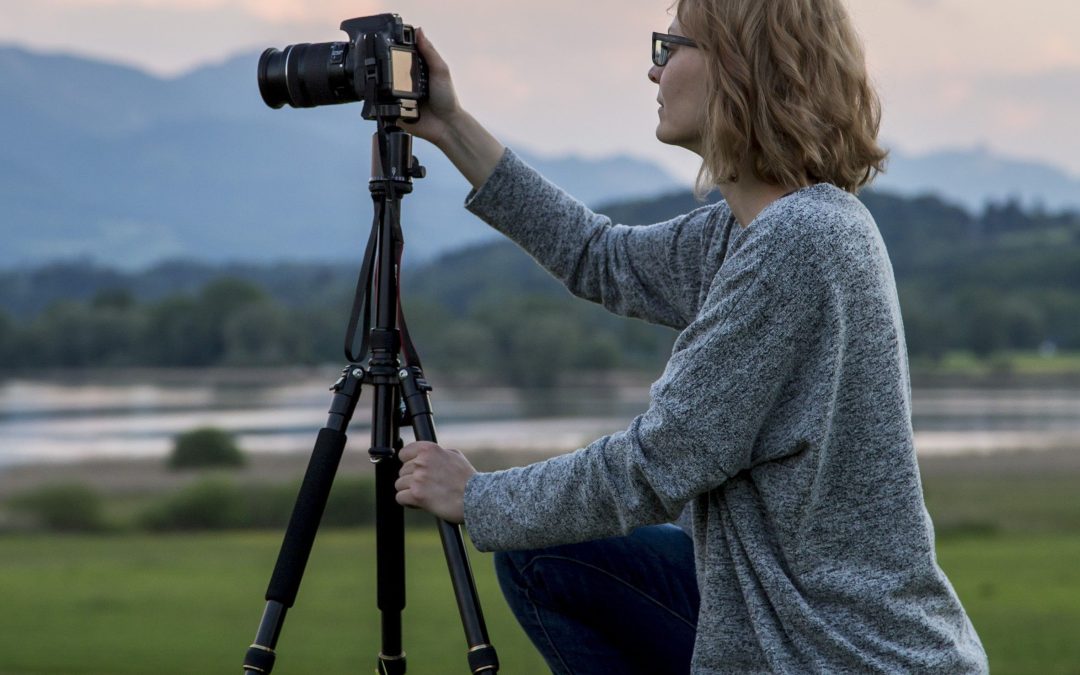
781,427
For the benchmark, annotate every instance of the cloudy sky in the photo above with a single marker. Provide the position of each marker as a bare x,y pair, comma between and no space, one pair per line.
569,75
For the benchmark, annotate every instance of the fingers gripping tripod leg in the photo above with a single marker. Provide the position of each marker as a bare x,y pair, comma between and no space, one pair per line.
482,657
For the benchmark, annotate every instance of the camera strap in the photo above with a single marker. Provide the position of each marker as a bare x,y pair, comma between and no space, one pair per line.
361,305
412,357
371,76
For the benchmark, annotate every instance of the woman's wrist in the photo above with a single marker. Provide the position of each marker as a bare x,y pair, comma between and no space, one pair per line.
470,147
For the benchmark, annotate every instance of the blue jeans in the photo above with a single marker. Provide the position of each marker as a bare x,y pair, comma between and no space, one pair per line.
621,606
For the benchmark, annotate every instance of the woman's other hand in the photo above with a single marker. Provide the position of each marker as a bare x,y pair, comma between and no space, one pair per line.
433,478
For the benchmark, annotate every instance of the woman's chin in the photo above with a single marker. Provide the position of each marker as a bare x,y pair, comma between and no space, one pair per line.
665,136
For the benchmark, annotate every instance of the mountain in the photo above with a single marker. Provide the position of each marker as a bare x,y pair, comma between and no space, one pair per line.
111,164
976,176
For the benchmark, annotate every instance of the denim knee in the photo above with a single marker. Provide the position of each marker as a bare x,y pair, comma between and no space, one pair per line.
508,568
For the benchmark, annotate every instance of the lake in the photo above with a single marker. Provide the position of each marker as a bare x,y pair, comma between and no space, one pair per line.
137,415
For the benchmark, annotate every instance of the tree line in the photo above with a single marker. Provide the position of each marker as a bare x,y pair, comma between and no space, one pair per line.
1005,279
528,338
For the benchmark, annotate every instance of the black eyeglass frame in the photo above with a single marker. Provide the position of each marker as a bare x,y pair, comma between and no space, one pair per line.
660,51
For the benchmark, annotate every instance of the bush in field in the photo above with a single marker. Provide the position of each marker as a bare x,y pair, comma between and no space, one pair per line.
351,503
216,504
67,507
207,505
206,447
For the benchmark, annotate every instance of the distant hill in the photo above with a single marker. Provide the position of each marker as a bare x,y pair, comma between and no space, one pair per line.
109,164
117,166
974,177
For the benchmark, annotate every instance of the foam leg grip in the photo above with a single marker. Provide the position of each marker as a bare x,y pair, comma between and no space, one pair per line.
308,511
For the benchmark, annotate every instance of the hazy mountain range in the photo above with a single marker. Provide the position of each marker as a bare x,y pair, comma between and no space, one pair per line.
109,163
974,176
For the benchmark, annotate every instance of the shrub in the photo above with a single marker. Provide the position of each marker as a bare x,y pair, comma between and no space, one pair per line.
65,507
217,504
208,505
204,448
351,503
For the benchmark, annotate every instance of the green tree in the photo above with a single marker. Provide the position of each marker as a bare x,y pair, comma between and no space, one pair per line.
206,447
177,333
8,340
263,333
75,334
113,299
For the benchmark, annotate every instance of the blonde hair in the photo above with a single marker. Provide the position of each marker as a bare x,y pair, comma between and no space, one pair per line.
788,91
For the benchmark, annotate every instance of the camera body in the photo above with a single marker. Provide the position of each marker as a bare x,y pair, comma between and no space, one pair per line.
379,65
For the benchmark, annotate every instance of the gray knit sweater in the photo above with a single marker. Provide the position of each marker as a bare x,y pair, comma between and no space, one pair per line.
782,423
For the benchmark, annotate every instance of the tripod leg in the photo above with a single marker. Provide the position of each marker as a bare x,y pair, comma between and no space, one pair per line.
304,523
482,657
389,531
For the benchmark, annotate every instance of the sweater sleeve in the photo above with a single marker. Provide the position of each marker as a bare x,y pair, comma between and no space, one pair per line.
648,272
725,375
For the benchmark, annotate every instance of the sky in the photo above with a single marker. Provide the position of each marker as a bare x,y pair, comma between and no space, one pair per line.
569,76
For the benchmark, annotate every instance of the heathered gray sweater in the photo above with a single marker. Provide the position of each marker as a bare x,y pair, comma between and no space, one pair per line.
782,421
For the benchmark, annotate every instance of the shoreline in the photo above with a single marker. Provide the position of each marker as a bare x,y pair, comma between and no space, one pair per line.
922,376
141,476
147,475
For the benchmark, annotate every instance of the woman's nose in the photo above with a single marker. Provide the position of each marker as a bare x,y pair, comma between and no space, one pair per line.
654,74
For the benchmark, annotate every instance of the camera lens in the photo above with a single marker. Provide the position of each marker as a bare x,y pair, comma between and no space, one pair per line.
305,75
272,85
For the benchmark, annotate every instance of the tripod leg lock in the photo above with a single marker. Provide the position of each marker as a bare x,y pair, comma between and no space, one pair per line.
259,659
379,454
391,665
483,660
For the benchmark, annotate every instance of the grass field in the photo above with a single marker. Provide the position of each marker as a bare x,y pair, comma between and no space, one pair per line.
116,604
190,605
1024,363
113,605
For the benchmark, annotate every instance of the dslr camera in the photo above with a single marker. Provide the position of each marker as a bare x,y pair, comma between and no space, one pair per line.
379,65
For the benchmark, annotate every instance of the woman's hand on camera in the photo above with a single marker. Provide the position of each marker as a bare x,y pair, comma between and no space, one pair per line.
443,122
440,112
433,478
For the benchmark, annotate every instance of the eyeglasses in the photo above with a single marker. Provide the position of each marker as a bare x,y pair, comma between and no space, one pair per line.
661,52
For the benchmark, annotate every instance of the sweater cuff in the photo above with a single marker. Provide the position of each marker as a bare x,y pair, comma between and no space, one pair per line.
482,198
482,537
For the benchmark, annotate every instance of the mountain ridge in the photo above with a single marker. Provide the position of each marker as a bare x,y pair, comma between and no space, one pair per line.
108,162
129,169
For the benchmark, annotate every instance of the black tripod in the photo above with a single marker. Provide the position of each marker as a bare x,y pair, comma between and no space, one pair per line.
400,398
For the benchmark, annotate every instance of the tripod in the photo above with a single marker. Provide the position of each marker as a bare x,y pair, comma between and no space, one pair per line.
400,397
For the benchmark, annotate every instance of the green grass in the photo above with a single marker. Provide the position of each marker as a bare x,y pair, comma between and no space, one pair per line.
1029,363
112,605
1007,504
1022,592
190,604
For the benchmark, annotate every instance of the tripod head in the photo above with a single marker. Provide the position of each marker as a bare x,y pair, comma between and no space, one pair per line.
392,162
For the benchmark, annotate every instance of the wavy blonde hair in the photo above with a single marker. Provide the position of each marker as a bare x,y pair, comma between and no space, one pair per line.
788,90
